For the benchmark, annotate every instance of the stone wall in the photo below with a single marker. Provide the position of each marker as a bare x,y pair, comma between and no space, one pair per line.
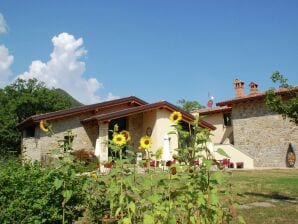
38,147
30,150
261,134
135,127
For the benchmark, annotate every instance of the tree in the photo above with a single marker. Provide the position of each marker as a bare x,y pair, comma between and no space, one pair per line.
22,99
189,105
287,106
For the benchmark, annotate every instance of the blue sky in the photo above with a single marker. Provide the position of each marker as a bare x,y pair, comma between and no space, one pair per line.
156,50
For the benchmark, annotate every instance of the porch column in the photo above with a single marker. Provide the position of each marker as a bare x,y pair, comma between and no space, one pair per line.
102,141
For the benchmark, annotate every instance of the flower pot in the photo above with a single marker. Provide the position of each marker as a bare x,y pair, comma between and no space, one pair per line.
109,165
153,163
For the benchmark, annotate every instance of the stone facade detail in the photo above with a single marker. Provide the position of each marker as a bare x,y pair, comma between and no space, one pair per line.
262,134
39,147
135,126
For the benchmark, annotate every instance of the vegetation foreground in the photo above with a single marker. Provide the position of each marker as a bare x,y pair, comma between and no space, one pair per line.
184,190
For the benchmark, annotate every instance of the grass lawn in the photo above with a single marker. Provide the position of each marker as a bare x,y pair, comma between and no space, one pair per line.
277,190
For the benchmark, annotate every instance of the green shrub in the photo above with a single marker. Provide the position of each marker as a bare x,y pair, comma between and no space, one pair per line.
29,193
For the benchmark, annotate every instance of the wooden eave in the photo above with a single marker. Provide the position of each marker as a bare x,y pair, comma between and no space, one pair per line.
79,110
187,117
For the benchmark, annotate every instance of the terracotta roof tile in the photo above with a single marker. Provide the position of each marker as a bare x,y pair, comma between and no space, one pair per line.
213,110
256,96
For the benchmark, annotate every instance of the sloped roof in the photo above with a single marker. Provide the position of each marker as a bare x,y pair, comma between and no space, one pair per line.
141,109
213,110
141,106
256,96
79,110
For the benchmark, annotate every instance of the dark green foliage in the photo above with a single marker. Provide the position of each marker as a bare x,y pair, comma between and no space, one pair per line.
30,193
287,106
73,101
189,105
22,99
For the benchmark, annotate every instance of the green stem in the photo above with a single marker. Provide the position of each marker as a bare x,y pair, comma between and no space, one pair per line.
63,208
121,178
128,211
169,191
134,173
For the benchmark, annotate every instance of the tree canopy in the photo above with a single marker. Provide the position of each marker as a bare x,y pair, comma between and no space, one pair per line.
22,99
189,105
288,106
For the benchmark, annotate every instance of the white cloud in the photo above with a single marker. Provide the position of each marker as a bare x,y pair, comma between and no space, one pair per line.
111,96
6,61
65,69
3,26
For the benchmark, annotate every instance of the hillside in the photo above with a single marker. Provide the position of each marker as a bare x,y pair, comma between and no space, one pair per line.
74,102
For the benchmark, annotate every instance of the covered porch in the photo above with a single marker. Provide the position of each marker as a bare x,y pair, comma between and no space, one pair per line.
151,120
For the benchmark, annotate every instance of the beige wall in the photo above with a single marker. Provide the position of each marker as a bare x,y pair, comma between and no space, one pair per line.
149,121
159,122
222,132
164,126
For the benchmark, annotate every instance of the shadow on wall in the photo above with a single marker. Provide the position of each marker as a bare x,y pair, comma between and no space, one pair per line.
92,131
228,134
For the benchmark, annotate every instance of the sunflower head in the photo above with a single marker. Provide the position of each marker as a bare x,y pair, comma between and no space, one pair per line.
175,117
119,139
145,142
44,126
126,135
94,175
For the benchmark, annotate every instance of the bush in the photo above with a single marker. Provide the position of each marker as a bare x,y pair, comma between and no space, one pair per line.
30,193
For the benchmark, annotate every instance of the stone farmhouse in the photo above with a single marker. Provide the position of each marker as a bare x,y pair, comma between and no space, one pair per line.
90,125
247,129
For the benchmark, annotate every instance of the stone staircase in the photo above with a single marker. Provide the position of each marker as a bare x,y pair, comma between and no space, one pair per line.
235,155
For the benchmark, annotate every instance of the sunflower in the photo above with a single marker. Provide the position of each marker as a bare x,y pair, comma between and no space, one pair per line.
175,117
126,135
145,142
119,139
44,126
94,175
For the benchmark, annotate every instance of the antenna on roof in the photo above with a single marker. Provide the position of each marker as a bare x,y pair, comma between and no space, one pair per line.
210,101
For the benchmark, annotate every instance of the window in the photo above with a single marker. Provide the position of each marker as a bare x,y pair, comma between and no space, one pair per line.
29,132
227,119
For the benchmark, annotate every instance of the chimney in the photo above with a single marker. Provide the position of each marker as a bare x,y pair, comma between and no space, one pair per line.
253,88
239,88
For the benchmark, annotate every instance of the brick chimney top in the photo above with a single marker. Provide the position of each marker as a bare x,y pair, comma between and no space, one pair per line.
239,88
253,88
